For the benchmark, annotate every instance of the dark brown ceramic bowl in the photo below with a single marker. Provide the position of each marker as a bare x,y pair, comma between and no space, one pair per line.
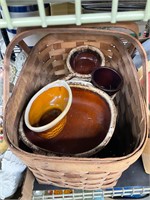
90,125
83,60
107,79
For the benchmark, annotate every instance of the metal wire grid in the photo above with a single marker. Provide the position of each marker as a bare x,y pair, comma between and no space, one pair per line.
76,195
77,18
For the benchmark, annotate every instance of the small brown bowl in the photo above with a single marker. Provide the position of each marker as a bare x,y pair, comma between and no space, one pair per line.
83,60
107,79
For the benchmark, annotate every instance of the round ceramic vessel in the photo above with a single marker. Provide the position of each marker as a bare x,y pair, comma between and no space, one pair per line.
107,79
51,102
82,60
113,114
86,131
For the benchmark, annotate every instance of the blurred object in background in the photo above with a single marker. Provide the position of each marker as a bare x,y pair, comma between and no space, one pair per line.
62,8
137,58
142,30
1,87
19,62
105,6
11,174
147,30
21,11
3,144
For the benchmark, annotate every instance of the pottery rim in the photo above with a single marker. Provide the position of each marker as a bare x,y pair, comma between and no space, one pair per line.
113,112
81,48
57,83
107,90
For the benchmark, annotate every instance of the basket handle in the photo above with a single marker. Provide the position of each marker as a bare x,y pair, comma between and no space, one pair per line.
18,38
132,26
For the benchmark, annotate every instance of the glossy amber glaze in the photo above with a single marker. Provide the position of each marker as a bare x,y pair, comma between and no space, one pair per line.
46,108
87,124
53,132
85,61
53,98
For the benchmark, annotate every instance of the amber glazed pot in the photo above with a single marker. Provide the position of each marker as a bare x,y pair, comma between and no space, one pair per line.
90,124
93,118
46,112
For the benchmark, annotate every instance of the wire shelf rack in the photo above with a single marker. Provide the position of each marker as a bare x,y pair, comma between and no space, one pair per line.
76,195
77,18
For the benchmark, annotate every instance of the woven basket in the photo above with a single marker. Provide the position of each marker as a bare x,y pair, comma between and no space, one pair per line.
46,63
